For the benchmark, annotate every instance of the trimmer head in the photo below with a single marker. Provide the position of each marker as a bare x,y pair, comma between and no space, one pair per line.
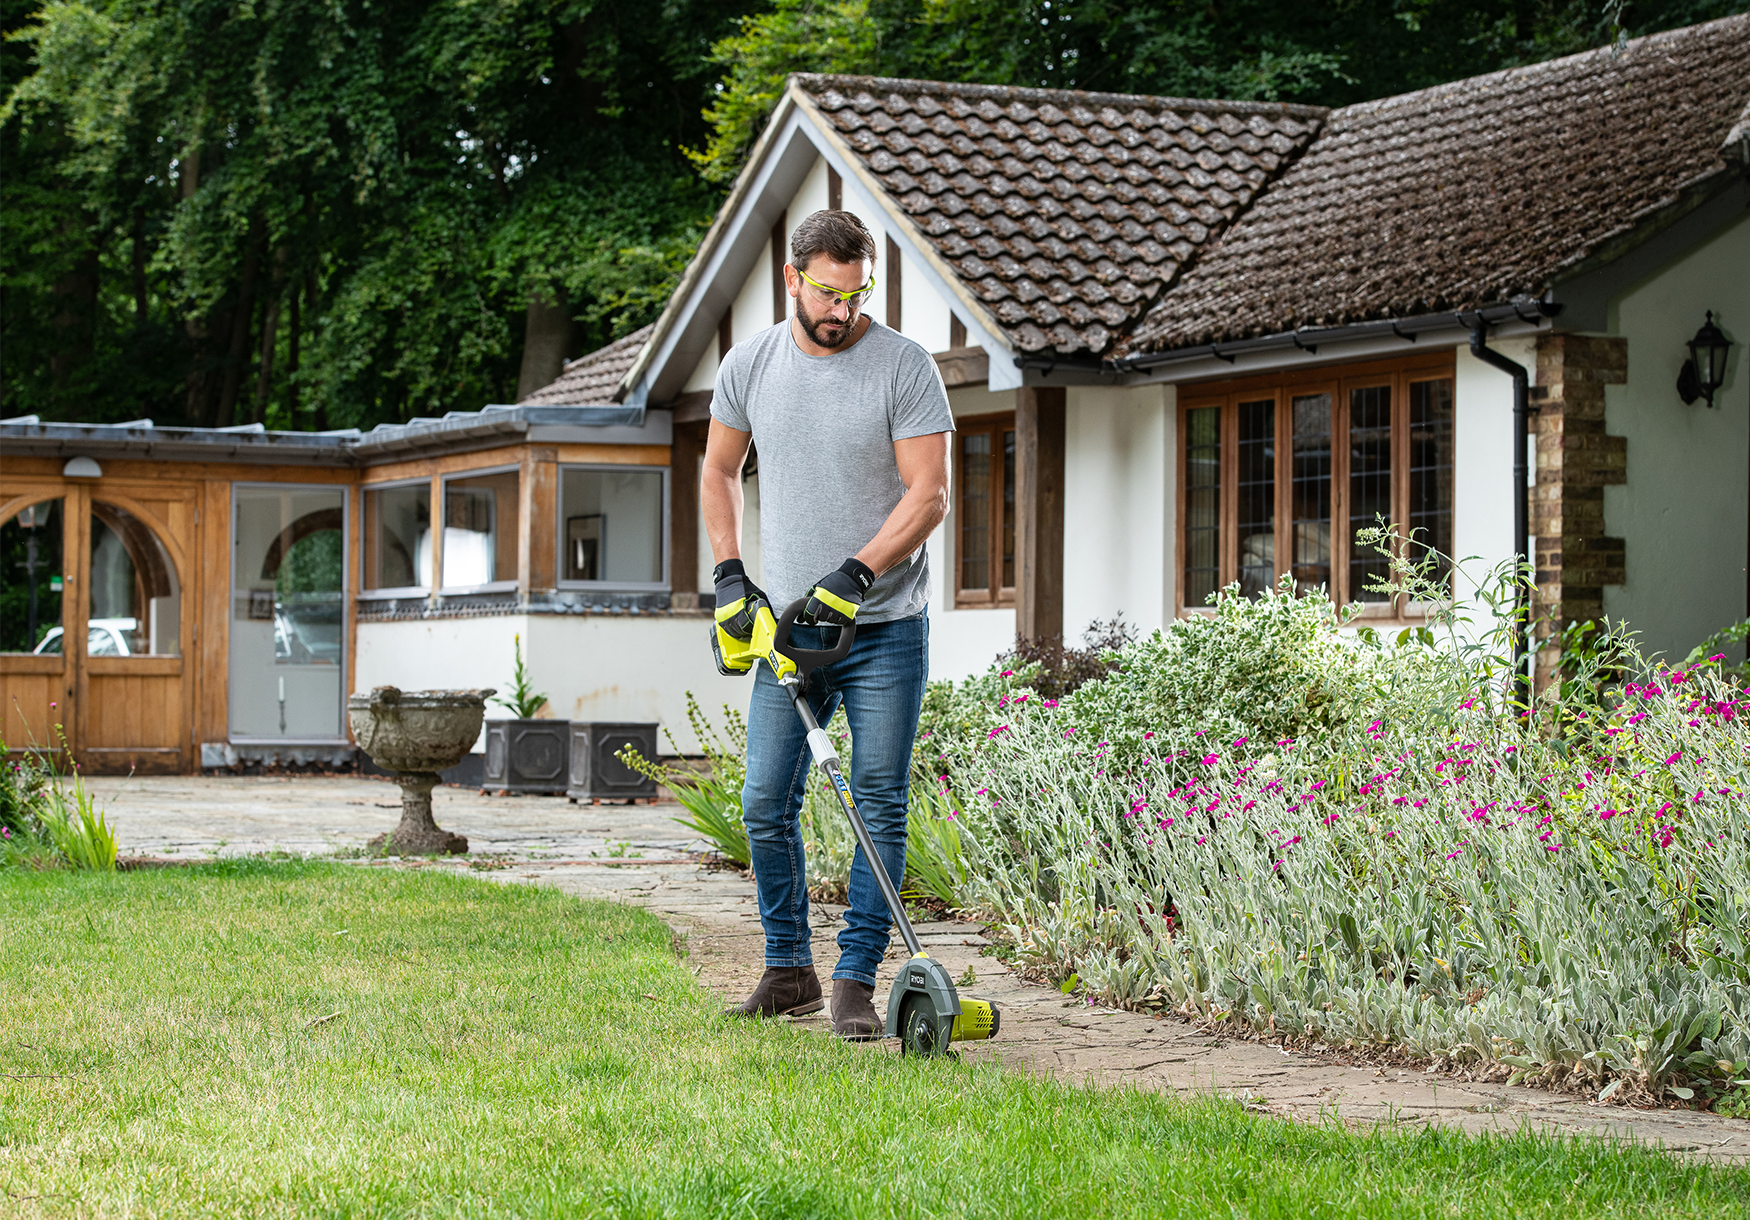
926,1013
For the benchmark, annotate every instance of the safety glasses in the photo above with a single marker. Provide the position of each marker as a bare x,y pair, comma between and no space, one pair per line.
832,296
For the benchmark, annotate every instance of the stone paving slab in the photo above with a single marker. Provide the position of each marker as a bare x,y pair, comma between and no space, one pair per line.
639,854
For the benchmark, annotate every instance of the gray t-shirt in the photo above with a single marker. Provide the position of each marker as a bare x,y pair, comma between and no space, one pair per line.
824,427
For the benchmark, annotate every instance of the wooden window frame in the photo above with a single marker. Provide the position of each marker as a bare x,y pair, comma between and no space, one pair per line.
995,596
1283,388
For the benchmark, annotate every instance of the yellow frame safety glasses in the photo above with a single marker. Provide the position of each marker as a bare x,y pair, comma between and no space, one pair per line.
833,295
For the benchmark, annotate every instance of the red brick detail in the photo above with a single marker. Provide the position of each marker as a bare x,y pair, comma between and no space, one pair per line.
1576,460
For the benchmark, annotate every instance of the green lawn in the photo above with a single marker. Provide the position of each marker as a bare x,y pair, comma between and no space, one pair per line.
171,1047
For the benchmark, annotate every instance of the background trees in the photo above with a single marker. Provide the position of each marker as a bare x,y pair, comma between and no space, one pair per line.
335,214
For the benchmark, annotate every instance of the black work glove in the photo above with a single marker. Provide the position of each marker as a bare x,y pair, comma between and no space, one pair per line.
835,600
737,599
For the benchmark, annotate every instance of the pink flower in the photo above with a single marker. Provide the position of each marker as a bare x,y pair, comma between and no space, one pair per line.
1209,760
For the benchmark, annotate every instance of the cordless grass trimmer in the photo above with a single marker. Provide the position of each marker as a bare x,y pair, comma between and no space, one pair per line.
924,1010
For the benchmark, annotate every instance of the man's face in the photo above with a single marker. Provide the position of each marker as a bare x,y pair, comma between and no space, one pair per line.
827,323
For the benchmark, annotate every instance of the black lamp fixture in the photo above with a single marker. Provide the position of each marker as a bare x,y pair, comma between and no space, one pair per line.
1705,370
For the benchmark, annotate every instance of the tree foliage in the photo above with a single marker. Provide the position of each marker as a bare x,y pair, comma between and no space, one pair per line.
1329,52
338,213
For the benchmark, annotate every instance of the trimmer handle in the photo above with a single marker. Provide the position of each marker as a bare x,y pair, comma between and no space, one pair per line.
809,659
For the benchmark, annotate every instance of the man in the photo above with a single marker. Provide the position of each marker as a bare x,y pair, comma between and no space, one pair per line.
852,425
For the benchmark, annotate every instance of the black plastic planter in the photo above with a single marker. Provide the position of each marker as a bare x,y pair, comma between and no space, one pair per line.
526,755
596,774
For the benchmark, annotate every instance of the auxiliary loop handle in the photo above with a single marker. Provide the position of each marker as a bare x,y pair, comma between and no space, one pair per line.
809,659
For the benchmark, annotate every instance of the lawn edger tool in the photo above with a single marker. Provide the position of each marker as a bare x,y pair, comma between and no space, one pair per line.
924,1009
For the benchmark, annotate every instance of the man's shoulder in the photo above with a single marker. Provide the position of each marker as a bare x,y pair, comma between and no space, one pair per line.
894,346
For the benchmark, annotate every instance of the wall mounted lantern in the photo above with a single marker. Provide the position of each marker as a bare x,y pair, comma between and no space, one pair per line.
1705,370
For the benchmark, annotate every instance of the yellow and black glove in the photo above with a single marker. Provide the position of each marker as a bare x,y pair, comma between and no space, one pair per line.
738,598
835,600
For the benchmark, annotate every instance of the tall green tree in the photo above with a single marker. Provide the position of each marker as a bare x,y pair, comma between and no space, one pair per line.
331,214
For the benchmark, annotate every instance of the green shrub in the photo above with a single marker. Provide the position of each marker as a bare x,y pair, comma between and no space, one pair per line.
1262,817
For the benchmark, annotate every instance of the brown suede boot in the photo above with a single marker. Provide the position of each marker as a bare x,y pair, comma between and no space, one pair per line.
788,991
853,1011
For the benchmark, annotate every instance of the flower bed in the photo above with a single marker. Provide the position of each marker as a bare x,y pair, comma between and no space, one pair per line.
1560,893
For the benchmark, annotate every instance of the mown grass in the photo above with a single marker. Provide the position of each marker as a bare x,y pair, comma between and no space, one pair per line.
494,1054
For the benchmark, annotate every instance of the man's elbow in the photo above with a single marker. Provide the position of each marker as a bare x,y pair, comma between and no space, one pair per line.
939,506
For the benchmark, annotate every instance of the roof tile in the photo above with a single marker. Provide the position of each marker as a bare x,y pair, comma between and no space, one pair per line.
1456,197
592,379
1052,205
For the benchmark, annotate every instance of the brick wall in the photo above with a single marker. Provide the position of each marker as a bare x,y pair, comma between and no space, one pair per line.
1576,558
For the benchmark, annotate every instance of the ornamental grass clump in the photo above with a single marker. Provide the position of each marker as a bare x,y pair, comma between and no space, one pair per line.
1417,862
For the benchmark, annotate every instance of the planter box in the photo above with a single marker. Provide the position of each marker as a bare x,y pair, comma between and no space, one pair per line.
596,774
526,755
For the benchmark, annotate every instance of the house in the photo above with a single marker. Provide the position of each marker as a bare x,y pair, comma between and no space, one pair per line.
1186,343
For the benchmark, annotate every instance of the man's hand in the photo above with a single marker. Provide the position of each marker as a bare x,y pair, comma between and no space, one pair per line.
835,600
737,599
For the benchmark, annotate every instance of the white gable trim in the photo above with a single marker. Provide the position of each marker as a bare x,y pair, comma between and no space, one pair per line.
796,135
982,329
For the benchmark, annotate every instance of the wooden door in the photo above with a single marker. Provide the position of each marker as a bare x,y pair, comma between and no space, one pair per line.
37,688
132,666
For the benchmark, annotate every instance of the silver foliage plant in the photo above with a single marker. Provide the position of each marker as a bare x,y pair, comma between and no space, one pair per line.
1562,891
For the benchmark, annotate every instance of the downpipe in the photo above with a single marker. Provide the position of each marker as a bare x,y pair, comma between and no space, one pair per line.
1479,346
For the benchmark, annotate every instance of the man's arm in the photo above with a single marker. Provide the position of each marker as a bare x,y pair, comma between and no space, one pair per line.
923,468
720,489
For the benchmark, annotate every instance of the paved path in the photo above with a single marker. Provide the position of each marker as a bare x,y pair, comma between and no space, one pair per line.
638,854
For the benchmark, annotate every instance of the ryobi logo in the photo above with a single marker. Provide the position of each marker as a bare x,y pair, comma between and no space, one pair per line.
917,978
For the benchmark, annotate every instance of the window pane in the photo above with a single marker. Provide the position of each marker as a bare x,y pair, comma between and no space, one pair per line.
612,525
398,537
30,580
1009,509
1257,496
974,511
1369,484
286,658
136,606
1430,513
1202,504
1311,492
480,529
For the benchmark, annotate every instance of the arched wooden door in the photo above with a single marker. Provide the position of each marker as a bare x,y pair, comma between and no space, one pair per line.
105,670
132,698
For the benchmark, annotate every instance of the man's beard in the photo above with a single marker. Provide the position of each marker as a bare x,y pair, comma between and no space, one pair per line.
813,328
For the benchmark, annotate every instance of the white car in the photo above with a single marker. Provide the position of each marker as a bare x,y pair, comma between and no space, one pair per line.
104,637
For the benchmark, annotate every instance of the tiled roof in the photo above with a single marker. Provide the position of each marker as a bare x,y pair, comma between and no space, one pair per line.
592,378
1477,192
1064,213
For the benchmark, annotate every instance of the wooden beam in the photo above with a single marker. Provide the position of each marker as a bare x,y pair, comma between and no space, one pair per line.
683,525
893,284
538,552
693,407
956,331
1039,454
835,190
725,332
963,366
780,256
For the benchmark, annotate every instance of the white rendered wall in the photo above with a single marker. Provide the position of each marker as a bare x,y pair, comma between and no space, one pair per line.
923,314
1682,513
1482,463
964,642
752,312
591,667
1117,509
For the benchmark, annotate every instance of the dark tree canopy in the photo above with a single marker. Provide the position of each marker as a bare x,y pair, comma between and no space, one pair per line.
342,213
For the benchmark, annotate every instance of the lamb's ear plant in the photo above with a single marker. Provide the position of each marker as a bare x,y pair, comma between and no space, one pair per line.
522,701
1558,891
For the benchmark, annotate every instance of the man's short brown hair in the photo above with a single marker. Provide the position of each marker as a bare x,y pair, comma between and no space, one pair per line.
838,235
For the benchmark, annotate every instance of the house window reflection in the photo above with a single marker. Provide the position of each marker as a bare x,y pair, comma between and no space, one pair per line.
481,518
398,537
612,528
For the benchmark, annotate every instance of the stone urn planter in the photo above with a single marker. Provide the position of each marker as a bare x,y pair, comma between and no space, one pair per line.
416,734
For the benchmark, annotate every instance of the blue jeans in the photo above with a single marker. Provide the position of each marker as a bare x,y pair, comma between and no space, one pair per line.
881,687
